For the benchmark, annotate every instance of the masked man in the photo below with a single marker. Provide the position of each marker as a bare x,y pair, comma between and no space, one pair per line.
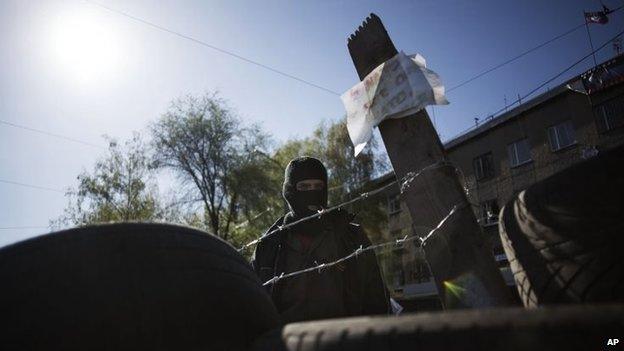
352,288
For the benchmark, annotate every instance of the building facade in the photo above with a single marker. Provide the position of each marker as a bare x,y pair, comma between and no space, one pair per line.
504,155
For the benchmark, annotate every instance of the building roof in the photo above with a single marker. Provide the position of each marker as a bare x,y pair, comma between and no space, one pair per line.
578,84
509,115
582,80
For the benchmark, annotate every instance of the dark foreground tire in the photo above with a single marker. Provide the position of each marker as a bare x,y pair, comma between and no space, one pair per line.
129,287
564,236
549,328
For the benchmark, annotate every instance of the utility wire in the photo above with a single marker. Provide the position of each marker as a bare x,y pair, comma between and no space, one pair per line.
562,72
504,108
515,58
301,80
213,47
31,186
50,134
162,28
539,46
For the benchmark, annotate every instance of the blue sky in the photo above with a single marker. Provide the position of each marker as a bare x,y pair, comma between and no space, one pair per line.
134,71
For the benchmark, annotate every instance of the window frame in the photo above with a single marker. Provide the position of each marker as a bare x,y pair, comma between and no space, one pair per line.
515,149
483,160
398,269
606,122
566,126
484,218
395,199
420,273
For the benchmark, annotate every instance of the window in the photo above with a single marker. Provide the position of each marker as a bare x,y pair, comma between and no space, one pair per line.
483,166
398,271
421,273
394,204
561,135
610,114
519,152
489,212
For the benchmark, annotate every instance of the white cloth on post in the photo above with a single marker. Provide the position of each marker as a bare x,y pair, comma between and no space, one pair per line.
397,88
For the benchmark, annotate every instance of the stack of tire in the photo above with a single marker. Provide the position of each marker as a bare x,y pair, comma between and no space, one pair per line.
130,286
564,236
135,286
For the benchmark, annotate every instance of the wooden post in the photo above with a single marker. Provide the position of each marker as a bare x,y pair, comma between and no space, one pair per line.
461,262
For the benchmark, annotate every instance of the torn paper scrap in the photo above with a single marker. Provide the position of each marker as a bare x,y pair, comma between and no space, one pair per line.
396,307
397,88
577,86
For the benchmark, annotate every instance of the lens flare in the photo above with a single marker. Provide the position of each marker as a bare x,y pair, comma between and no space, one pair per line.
454,289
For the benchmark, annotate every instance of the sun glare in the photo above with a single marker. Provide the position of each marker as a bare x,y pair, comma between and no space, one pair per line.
84,47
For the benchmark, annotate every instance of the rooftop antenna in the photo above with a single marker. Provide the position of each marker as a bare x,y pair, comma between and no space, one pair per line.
476,121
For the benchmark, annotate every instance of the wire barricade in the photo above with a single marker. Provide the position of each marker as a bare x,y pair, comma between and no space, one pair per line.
361,250
404,185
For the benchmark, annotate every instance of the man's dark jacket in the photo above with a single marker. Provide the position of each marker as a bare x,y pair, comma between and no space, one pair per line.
352,288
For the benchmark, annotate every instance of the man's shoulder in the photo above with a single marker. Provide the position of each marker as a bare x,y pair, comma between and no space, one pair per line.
271,236
267,246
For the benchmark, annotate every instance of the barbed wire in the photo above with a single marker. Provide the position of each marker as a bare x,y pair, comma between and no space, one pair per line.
411,176
408,179
246,222
317,215
361,250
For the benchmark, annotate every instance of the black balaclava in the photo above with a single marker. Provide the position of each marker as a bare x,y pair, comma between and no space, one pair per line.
302,168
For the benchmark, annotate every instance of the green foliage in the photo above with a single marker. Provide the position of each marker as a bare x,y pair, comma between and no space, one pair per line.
348,177
230,180
120,188
212,152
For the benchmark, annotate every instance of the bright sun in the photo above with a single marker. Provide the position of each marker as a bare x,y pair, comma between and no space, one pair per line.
84,47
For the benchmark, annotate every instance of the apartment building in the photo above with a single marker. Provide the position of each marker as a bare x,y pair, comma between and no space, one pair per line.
506,154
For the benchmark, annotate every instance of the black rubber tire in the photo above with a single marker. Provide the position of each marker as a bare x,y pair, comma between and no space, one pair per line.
564,236
550,328
127,287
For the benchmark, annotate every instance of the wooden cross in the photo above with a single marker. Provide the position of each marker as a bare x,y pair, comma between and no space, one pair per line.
461,262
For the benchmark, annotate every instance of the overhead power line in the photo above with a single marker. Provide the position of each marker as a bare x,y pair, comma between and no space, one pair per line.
162,28
301,80
539,46
504,108
213,47
494,68
31,186
561,73
50,134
